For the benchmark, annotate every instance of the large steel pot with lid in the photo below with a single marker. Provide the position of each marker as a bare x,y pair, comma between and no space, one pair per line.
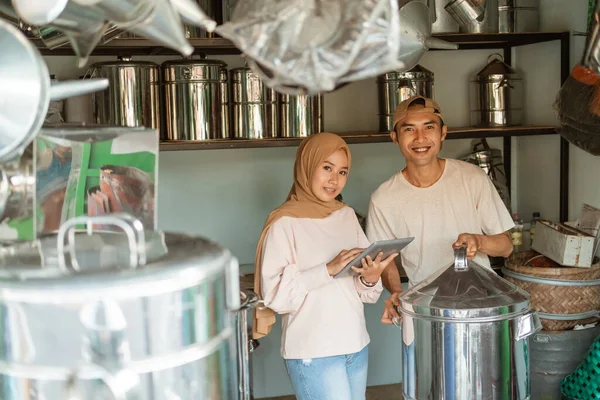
194,99
396,86
117,315
497,95
132,98
301,115
465,335
254,106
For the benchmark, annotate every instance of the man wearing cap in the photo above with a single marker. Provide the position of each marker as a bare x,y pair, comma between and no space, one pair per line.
443,203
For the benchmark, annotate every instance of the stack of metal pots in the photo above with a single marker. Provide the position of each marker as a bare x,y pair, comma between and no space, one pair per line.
396,86
497,95
142,315
465,335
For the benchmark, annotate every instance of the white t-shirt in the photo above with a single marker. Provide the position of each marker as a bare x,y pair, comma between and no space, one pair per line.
463,200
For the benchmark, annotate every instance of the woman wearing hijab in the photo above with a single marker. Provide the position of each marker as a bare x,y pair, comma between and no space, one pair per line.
305,242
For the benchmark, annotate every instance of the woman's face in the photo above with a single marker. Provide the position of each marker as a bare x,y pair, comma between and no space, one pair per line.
330,177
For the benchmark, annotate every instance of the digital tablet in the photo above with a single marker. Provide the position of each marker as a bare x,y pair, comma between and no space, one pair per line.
388,247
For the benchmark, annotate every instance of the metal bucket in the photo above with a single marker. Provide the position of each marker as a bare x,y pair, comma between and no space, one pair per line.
465,335
395,87
132,98
301,115
161,331
497,95
474,16
519,16
554,355
254,106
193,99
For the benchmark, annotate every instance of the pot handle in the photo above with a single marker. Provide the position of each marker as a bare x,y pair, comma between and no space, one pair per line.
526,325
461,262
132,227
249,300
63,90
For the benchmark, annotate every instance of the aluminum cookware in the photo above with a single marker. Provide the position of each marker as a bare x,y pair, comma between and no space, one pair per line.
396,86
301,115
441,20
133,95
497,95
17,188
193,99
519,16
254,106
26,91
465,335
143,315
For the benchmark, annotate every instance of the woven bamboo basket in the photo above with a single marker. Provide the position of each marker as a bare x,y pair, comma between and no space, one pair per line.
549,295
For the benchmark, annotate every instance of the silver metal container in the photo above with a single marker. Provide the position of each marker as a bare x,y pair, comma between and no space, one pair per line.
254,106
301,115
210,8
228,9
245,344
441,20
193,99
17,187
554,355
225,106
132,98
465,335
519,16
497,95
111,315
395,87
474,16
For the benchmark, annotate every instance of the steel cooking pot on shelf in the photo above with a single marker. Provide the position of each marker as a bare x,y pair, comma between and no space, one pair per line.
118,315
465,335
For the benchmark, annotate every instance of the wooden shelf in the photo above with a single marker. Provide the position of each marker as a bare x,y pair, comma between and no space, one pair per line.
353,138
220,46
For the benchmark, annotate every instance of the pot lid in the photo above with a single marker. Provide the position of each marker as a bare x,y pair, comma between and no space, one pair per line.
192,62
124,61
497,67
465,292
418,71
107,263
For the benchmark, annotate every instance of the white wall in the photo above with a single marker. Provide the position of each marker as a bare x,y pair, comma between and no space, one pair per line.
227,194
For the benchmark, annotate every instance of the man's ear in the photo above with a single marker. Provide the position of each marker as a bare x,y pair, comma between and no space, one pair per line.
394,136
444,132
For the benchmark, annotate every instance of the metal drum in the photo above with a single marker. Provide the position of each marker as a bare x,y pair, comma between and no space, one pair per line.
193,99
395,87
132,97
225,106
110,315
255,106
301,115
519,16
497,95
465,335
554,355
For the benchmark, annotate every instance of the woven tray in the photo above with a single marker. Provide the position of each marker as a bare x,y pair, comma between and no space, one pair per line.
555,299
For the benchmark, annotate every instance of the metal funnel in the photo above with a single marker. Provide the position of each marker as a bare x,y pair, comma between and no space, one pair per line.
25,91
415,34
154,19
192,14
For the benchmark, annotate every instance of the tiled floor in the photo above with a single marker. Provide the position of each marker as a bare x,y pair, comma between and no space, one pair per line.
385,392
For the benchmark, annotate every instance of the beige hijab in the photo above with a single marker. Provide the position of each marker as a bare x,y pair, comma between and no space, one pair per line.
300,203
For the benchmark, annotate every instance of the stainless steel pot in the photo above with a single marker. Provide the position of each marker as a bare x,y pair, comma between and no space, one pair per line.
497,95
245,344
132,98
395,87
474,16
254,106
141,315
225,105
193,99
301,115
465,335
490,160
519,16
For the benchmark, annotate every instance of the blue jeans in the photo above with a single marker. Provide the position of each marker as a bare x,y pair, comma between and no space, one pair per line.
330,378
